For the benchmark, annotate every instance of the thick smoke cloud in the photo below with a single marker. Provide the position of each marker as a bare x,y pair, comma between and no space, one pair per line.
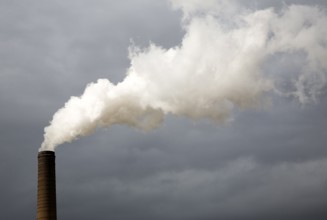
219,67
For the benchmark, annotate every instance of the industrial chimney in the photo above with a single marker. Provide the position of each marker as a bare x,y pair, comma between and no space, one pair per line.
46,192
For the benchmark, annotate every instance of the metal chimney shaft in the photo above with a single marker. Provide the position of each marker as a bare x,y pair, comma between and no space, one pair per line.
46,191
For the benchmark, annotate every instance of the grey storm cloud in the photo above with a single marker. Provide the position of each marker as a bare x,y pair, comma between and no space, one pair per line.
266,162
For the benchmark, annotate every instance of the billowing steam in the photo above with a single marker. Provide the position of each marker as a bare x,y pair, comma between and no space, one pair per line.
219,66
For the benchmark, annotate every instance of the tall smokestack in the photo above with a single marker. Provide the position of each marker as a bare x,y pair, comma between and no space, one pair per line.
46,193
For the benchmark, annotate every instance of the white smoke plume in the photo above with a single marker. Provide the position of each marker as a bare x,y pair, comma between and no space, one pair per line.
218,67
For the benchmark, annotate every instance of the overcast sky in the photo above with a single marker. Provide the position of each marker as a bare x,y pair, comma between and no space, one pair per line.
263,163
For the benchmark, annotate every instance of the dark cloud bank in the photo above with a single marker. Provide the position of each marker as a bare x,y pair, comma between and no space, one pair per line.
266,163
